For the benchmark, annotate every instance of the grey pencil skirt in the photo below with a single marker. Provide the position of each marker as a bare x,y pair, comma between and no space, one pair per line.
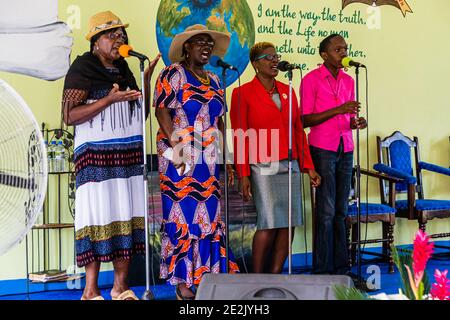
270,188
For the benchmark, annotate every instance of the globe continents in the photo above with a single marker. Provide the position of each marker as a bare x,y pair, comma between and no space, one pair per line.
231,16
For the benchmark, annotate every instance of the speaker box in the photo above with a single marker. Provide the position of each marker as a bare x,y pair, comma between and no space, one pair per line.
269,286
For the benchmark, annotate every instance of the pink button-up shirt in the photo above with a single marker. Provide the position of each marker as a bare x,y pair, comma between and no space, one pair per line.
320,91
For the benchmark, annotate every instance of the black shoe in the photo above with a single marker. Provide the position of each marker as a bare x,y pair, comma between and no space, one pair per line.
181,297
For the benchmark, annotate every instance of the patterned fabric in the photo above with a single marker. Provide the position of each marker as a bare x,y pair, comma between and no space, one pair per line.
109,204
117,240
193,233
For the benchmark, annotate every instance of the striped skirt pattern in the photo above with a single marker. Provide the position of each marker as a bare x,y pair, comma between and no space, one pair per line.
109,205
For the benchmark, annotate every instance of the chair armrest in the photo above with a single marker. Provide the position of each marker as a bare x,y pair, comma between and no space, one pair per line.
434,168
396,173
381,176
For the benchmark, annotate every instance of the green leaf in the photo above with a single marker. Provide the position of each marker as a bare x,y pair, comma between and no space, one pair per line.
426,283
420,291
403,257
344,293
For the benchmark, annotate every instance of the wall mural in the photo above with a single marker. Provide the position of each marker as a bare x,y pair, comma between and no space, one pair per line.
402,5
231,16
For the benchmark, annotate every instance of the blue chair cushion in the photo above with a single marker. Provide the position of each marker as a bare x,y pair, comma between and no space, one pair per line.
380,167
424,204
374,208
434,168
400,154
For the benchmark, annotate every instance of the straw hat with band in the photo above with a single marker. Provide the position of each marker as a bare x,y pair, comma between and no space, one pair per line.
221,40
104,21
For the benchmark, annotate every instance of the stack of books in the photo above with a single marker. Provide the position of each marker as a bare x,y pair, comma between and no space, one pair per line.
49,275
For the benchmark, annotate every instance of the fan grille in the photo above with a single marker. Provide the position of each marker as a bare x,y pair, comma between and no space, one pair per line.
23,168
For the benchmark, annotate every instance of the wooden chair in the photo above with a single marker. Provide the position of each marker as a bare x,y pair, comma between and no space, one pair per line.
395,159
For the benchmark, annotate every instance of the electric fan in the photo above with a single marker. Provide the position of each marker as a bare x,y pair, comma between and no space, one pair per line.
23,168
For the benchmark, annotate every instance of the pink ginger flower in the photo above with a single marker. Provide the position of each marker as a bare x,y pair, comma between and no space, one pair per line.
423,249
441,289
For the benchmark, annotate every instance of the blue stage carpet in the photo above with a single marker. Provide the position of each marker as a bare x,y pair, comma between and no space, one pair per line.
390,283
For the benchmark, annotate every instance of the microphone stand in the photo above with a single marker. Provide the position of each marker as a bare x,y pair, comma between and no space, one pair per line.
358,193
225,149
289,74
148,294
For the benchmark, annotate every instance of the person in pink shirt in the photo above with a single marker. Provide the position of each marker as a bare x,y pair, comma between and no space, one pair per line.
329,109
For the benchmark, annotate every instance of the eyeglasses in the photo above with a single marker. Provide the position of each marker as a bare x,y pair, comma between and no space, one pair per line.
115,36
204,43
269,57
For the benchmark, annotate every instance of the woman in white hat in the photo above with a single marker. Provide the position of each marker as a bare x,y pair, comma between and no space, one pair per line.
102,100
189,108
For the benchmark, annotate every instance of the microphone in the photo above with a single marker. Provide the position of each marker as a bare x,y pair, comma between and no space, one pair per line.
286,66
348,62
126,51
215,61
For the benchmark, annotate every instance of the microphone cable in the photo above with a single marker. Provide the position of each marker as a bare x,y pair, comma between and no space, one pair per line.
242,199
302,186
367,159
152,197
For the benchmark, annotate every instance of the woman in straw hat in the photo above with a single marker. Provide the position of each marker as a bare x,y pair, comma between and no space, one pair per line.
102,101
262,106
189,108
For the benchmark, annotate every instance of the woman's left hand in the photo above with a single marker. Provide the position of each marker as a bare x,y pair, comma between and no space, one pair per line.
151,67
230,171
314,177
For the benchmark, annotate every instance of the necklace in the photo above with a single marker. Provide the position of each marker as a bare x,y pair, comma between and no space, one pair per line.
204,81
272,91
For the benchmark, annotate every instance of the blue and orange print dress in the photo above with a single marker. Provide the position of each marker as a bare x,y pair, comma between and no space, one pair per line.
192,230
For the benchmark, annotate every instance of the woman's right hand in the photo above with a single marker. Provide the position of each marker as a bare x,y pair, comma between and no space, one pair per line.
245,188
179,160
115,95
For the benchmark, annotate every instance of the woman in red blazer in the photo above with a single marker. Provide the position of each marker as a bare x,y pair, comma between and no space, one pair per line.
260,119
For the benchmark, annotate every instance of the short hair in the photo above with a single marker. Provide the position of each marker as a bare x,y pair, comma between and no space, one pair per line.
258,48
325,43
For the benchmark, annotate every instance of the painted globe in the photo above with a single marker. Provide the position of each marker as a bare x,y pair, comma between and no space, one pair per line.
231,16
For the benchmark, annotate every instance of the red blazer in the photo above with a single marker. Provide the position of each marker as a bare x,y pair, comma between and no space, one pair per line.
253,108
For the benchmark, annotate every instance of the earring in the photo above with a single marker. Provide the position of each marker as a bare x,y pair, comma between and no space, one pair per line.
96,48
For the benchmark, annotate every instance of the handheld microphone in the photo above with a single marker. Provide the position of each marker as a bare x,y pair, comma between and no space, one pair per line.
348,62
215,61
286,66
126,51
